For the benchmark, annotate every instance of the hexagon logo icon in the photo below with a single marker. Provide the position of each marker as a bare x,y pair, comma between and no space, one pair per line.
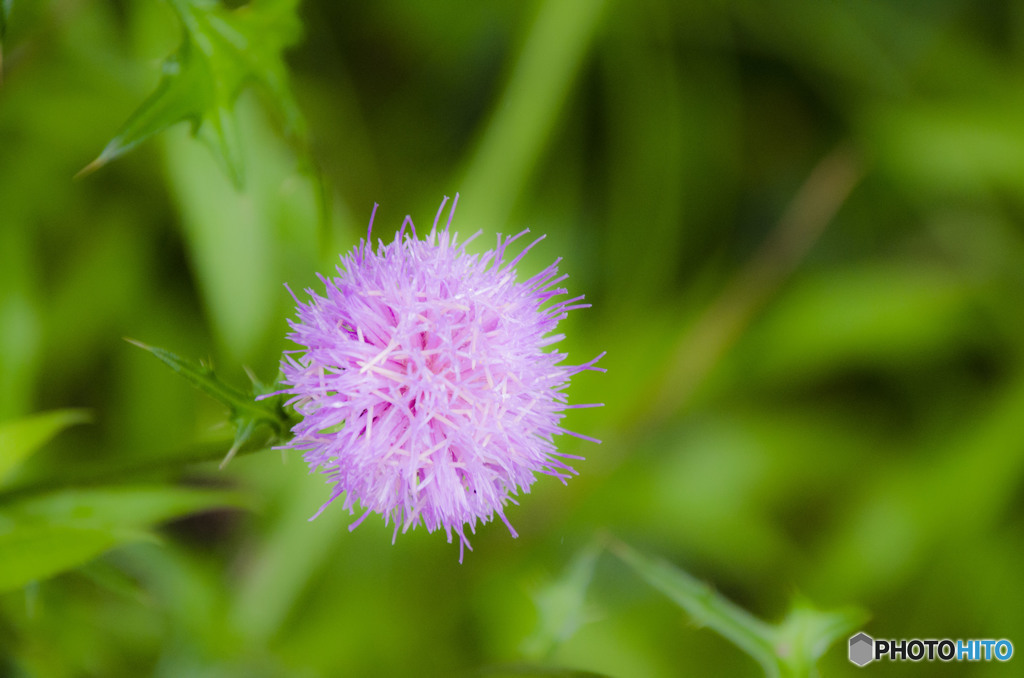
862,649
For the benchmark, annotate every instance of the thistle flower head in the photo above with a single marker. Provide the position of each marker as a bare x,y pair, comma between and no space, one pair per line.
426,380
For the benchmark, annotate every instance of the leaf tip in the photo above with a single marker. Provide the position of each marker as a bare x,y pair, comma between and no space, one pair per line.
111,151
144,346
89,169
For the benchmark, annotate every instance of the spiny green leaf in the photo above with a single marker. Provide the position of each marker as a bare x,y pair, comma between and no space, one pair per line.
242,405
222,52
246,413
21,437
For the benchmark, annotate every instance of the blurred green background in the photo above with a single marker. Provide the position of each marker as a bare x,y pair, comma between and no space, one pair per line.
801,226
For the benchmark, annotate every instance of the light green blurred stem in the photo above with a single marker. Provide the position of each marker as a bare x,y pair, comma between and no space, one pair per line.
707,340
528,108
705,605
789,649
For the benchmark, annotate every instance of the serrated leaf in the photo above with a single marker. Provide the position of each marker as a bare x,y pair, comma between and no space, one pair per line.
246,411
21,437
44,535
222,52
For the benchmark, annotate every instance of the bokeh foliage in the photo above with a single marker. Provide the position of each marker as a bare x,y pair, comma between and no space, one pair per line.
801,225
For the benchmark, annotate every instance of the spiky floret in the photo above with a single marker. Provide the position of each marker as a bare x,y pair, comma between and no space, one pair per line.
427,385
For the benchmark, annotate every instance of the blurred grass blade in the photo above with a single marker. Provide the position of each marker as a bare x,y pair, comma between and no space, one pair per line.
5,11
233,238
222,52
560,605
521,670
905,512
34,552
116,581
529,106
707,607
703,345
132,506
285,559
246,411
42,536
21,437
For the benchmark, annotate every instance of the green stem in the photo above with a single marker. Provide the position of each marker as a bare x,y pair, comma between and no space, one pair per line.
243,406
789,649
706,606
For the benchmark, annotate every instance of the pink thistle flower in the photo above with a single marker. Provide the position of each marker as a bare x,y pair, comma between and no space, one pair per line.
425,388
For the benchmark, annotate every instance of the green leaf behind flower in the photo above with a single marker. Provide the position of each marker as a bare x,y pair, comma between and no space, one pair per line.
21,437
35,552
133,506
44,535
222,52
